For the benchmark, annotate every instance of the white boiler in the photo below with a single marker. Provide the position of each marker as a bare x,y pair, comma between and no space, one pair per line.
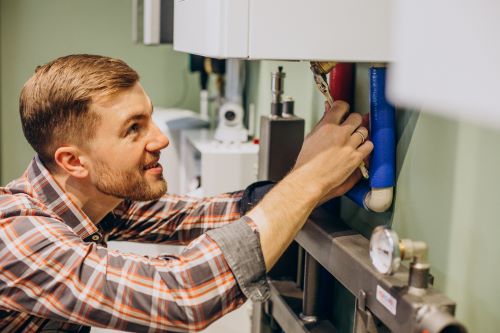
340,30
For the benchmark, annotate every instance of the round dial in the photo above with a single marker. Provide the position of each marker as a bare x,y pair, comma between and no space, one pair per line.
384,250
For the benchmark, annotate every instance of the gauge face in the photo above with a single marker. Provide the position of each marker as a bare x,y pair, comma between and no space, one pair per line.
384,250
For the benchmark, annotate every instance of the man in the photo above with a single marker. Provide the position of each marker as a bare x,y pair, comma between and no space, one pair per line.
96,177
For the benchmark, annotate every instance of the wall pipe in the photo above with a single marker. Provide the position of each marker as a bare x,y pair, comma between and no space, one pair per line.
310,300
342,82
377,194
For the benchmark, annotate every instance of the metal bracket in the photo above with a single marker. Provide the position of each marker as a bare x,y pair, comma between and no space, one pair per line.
363,318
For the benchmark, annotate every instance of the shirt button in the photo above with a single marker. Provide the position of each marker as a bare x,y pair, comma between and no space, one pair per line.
95,237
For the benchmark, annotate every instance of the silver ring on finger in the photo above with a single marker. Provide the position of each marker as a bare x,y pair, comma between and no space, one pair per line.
361,134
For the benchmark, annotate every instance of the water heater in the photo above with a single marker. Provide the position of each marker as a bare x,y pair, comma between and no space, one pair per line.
341,30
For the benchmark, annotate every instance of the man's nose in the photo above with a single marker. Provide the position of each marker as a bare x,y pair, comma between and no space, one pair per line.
158,140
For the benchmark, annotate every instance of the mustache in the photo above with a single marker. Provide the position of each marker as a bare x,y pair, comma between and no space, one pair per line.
154,159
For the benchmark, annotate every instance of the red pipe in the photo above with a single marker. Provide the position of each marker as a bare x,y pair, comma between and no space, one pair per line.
342,82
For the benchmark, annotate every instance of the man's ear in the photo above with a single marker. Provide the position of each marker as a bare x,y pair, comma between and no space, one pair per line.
69,160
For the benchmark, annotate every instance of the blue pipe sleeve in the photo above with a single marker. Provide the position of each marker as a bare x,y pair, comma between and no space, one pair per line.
359,192
382,132
383,136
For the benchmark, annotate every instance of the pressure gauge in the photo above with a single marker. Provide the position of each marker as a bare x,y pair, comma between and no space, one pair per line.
384,250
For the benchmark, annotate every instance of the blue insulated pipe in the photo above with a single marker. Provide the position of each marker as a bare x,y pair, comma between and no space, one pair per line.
377,194
382,132
358,193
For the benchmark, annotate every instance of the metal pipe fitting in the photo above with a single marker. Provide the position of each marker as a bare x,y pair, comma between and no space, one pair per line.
310,302
322,67
277,89
299,280
432,319
418,279
288,107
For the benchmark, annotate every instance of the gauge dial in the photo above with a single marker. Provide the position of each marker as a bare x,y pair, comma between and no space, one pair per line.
384,250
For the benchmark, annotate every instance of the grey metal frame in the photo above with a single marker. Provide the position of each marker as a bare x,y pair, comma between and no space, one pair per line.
345,254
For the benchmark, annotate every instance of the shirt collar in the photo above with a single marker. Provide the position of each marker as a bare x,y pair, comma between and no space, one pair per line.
54,197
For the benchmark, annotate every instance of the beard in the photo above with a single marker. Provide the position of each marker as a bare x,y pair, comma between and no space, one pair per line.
131,184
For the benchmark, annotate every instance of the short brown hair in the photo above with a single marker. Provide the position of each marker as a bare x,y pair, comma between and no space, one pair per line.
54,102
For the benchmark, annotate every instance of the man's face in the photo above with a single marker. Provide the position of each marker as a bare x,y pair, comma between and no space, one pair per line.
125,151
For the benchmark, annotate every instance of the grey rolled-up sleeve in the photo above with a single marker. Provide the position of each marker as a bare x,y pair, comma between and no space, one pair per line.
241,247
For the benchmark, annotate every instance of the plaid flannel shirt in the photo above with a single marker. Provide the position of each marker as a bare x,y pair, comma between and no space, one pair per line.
56,274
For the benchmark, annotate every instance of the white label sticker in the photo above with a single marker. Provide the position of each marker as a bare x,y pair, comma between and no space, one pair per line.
386,300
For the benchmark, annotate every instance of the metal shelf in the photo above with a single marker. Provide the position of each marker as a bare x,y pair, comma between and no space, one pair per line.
345,254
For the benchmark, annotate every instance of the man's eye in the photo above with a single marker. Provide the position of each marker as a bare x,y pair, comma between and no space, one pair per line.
133,129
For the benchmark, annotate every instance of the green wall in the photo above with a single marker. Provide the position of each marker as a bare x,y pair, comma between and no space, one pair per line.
34,32
448,196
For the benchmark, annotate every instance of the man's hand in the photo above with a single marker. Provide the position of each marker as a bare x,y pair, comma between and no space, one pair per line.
334,151
326,167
